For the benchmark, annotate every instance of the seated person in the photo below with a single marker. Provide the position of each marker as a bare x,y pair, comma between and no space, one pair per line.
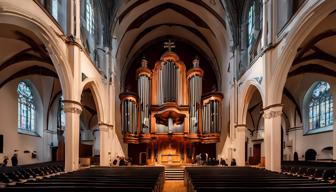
122,162
223,162
233,162
115,162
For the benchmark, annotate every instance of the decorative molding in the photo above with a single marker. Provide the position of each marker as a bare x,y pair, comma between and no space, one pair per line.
71,106
272,114
241,129
84,77
272,106
101,124
70,39
259,79
104,127
294,128
66,101
240,125
72,110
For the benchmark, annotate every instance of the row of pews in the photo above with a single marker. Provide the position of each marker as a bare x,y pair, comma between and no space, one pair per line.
323,171
249,179
11,176
142,179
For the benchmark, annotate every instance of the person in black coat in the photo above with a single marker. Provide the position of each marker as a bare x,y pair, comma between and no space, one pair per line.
14,160
233,162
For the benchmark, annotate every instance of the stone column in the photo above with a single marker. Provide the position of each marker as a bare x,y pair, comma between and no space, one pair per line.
73,23
72,110
240,144
272,137
104,144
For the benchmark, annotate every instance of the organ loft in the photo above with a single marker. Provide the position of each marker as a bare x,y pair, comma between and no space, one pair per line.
170,119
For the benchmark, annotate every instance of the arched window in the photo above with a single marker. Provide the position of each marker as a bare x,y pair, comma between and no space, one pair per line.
320,107
26,108
89,16
250,24
60,114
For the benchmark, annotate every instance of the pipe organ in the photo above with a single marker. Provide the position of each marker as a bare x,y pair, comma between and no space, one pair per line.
169,112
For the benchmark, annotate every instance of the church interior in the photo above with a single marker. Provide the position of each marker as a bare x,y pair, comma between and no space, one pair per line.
167,95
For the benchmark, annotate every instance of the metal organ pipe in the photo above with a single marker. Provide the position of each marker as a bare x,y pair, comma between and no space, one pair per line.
123,112
129,114
195,94
143,92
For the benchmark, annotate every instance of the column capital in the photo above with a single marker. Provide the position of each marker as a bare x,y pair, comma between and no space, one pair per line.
104,126
272,111
240,127
71,106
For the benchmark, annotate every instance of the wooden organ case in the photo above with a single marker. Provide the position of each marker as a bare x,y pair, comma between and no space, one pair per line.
169,115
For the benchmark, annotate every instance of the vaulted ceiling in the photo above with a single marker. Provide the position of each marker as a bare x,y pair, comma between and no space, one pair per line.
201,23
22,54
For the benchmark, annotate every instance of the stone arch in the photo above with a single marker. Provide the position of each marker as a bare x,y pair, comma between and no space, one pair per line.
48,37
95,89
248,91
296,36
310,154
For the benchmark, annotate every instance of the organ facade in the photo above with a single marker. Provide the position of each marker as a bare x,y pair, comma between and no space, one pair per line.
170,116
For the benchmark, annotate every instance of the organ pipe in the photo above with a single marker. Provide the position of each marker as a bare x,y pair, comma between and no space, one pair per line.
144,75
195,92
129,111
211,117
169,81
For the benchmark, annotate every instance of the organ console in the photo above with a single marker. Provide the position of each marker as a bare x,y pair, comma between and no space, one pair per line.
169,107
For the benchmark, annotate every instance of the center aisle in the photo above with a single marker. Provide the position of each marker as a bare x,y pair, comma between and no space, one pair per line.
174,186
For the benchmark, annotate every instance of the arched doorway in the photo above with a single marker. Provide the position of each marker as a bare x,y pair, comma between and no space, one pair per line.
89,145
310,155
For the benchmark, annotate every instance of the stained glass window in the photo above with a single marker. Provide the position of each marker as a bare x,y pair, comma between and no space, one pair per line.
89,16
320,107
26,108
250,24
60,114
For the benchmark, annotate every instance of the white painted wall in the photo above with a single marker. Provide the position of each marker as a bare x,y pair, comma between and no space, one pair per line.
9,123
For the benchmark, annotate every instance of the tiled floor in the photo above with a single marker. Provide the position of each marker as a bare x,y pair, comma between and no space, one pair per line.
174,186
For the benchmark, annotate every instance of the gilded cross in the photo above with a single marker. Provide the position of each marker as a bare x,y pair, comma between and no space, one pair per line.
169,45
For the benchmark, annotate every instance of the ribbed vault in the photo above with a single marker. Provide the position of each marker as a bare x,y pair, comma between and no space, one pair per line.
199,23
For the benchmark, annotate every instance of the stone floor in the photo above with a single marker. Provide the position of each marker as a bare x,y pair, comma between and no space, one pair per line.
174,186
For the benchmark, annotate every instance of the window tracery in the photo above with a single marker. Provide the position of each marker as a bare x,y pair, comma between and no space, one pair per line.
26,108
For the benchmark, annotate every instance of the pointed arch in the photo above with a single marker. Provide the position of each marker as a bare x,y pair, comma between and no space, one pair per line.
295,37
49,39
249,89
95,89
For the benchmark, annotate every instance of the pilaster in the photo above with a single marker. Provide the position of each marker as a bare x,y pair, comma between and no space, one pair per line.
72,110
272,137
